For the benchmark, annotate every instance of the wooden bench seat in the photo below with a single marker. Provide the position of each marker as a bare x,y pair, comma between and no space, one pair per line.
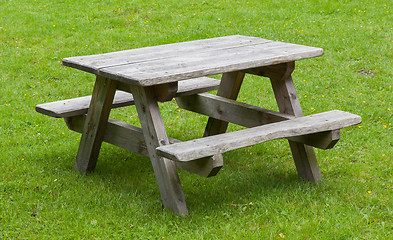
217,144
79,106
117,133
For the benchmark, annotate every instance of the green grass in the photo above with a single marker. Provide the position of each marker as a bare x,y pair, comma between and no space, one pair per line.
41,197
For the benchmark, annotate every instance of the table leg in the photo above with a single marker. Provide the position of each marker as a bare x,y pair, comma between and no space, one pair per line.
229,88
155,135
94,128
288,102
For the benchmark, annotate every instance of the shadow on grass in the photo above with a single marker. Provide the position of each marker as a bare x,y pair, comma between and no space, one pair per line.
120,172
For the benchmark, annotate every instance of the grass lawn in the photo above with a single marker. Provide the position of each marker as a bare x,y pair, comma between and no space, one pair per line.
257,194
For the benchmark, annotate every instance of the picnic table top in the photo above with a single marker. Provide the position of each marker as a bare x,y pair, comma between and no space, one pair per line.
178,61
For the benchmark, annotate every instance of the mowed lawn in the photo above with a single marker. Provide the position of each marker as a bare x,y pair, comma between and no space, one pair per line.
257,194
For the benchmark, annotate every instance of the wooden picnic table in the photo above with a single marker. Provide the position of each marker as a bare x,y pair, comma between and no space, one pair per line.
145,76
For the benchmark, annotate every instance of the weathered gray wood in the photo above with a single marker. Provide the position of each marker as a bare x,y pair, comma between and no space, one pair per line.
79,106
117,133
273,71
208,63
197,85
249,116
131,138
322,140
184,64
208,146
229,110
93,63
325,140
93,131
155,135
288,102
204,167
166,92
229,88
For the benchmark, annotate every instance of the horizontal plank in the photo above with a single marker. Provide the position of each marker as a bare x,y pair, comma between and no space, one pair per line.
208,63
175,62
131,138
221,143
249,116
321,140
80,105
93,63
229,110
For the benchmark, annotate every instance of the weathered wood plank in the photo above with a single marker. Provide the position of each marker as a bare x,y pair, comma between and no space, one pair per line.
131,138
208,146
208,63
174,62
249,116
117,133
93,63
79,106
229,110
93,130
155,135
166,92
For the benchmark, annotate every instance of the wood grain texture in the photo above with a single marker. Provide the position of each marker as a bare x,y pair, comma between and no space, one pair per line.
288,102
229,88
155,135
250,116
93,63
166,92
212,145
174,62
80,105
321,140
131,138
229,110
204,167
94,128
117,133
